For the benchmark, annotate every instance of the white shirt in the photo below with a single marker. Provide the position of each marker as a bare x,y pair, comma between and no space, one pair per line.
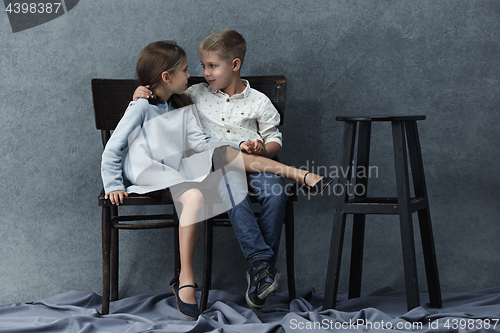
249,115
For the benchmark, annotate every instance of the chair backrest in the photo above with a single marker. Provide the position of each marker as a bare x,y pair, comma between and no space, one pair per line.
112,96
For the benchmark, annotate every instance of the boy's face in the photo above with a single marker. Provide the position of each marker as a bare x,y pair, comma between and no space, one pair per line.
218,72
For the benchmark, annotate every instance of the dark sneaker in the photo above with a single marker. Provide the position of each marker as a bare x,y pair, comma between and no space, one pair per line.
251,295
264,277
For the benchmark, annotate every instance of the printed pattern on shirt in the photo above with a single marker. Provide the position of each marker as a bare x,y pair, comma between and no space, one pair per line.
249,115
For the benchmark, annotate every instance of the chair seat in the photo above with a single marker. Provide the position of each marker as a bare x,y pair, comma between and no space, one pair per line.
161,197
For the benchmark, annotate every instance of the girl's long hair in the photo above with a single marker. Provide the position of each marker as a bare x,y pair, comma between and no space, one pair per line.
159,57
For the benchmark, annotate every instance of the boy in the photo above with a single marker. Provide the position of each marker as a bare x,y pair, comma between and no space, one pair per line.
230,109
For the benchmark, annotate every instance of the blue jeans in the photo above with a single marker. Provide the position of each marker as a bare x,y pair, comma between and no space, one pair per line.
259,240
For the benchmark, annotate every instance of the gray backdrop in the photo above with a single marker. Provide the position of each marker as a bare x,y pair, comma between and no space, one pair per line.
438,58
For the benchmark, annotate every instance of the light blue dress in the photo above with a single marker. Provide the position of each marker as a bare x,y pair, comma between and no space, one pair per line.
157,146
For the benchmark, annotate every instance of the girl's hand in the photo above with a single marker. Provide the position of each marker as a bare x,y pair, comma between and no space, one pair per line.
142,92
245,148
256,147
116,197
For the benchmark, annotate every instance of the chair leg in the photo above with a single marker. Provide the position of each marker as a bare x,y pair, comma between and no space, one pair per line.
114,264
403,189
106,247
290,248
207,265
177,254
424,217
114,258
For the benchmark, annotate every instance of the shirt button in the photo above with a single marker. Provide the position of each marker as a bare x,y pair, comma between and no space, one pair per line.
228,131
227,100
222,119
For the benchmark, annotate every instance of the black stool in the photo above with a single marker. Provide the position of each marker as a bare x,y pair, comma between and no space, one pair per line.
404,131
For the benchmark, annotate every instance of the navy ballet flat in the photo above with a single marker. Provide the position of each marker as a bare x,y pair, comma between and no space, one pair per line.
317,188
189,310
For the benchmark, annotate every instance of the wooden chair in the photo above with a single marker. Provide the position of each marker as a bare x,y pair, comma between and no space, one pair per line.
273,87
111,98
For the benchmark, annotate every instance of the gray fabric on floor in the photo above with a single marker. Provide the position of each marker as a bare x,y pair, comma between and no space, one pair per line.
77,311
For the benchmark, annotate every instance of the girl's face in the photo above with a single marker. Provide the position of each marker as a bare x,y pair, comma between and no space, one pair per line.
179,79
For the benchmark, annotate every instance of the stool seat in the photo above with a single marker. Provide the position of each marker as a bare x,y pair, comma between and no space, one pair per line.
380,118
404,133
381,205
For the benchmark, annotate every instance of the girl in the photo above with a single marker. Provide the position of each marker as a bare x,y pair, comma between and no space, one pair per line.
167,148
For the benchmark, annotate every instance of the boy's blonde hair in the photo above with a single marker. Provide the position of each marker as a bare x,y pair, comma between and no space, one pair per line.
228,44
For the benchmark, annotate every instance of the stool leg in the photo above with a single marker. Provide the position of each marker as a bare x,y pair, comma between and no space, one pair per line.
405,218
338,229
358,229
333,270
106,244
424,217
290,257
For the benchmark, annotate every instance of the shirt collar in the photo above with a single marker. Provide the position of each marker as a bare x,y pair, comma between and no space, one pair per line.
243,94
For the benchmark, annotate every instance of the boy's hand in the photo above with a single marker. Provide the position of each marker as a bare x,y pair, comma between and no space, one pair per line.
116,197
142,92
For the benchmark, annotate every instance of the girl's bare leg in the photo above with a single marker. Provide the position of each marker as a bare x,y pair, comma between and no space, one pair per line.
257,163
192,202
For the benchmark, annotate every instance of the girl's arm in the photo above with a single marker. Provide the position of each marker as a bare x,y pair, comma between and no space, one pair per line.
112,157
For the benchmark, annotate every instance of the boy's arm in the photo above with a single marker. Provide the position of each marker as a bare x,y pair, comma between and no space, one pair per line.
272,149
268,123
142,92
145,92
